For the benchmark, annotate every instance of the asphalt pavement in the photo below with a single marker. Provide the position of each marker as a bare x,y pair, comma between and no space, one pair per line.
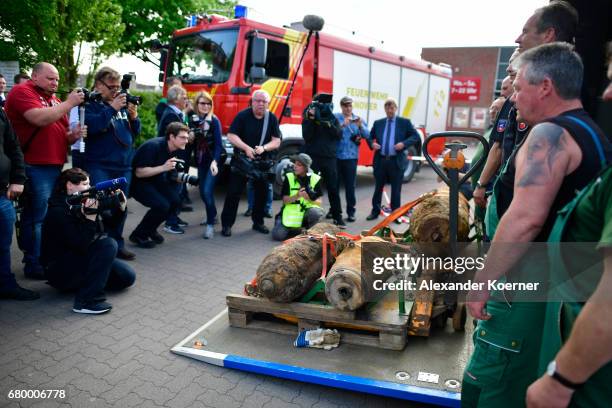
123,358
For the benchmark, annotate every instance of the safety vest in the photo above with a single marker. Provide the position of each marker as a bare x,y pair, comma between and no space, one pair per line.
293,213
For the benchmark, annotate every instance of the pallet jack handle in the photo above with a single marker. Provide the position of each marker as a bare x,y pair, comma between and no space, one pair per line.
453,163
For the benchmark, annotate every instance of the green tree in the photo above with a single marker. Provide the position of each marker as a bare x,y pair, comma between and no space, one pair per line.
51,30
157,19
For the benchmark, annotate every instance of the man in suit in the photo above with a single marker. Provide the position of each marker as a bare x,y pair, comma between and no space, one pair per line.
389,138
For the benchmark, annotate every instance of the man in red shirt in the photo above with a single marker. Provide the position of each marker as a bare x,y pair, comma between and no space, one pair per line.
40,121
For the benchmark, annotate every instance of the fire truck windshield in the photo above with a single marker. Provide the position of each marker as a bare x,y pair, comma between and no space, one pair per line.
204,57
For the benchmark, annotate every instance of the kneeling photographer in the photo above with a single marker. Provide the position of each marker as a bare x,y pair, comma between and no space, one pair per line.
157,171
75,251
321,132
301,199
254,133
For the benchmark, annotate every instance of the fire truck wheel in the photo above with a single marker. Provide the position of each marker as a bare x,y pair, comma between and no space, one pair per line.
412,165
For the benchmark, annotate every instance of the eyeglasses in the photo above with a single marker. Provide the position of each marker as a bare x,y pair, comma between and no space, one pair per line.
111,88
260,101
182,137
205,103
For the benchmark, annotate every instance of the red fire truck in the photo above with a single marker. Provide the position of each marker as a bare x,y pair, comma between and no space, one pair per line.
231,58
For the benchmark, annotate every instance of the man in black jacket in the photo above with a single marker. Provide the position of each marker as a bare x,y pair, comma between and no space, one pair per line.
12,179
75,251
321,132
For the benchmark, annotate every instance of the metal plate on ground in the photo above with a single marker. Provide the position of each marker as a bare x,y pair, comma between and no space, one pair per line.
351,367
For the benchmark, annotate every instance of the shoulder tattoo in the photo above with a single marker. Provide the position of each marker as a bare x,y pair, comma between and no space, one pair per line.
544,144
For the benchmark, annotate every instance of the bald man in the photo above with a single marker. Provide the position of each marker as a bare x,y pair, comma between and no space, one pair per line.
41,125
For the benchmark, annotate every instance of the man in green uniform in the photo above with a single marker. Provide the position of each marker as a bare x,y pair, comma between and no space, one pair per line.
560,155
576,350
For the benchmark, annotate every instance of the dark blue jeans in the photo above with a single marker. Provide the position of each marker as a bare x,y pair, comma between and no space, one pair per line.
89,274
7,220
41,180
207,187
347,174
162,199
98,174
251,197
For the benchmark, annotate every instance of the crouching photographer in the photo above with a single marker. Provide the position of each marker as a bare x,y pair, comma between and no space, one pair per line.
321,132
301,199
75,252
156,174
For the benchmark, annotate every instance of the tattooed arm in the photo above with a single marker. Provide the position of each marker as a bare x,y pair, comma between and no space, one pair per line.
548,155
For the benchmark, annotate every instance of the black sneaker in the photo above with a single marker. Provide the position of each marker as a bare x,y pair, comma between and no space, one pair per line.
351,218
340,223
181,222
329,215
173,229
226,231
261,228
157,237
248,213
18,293
141,241
268,214
91,307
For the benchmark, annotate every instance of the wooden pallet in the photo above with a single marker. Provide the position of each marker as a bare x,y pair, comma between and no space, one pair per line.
380,327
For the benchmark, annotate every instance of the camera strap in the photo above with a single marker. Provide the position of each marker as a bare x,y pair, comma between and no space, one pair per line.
265,128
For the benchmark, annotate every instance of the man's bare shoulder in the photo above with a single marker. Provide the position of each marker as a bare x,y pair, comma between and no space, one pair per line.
548,148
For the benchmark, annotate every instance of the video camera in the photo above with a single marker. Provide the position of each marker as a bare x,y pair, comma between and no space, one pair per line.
180,174
107,194
321,110
311,193
258,169
125,85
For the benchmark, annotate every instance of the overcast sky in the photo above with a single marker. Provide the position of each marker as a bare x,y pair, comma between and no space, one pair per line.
399,26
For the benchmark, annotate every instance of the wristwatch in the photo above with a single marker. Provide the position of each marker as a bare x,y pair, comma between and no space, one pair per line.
551,370
479,185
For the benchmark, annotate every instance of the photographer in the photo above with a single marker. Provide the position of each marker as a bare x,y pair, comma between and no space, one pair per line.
254,134
176,104
75,252
112,125
354,129
155,181
321,132
206,128
12,179
301,199
40,123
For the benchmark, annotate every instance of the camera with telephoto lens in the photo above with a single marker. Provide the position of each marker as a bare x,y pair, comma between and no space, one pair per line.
107,195
180,174
125,85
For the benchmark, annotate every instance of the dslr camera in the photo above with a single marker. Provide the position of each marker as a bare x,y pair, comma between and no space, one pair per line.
91,96
106,193
196,125
125,85
180,174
